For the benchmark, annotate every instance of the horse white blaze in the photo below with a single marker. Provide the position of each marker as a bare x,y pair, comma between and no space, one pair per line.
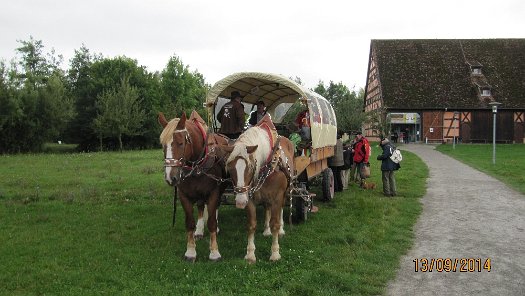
169,154
241,199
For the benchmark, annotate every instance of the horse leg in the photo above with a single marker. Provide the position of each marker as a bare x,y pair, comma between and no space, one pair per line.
275,222
268,215
212,227
191,252
217,216
201,219
252,224
281,229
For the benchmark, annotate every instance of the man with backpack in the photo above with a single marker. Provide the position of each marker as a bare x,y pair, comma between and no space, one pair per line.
388,166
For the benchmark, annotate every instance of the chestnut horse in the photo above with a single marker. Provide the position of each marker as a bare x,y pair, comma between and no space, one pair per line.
261,173
193,166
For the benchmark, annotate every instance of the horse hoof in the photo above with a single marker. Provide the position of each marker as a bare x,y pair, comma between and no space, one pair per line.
275,257
215,259
214,256
198,236
190,259
251,260
267,232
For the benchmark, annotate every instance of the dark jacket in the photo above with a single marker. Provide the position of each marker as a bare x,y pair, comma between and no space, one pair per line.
253,117
231,117
386,163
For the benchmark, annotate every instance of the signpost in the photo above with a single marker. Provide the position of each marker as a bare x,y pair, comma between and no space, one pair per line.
494,106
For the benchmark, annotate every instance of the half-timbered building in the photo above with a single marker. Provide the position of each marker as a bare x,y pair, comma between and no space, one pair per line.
437,90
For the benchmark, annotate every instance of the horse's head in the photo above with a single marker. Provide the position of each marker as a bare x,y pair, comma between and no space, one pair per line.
241,165
177,145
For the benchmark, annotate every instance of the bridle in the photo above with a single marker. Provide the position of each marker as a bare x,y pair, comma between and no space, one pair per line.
198,167
245,188
269,167
178,163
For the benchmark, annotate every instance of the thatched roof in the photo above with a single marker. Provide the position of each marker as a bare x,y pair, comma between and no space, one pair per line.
436,74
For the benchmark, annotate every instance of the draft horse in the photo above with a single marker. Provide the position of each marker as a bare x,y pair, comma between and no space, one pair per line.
193,166
260,164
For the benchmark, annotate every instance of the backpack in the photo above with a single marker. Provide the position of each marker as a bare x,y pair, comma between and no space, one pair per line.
396,156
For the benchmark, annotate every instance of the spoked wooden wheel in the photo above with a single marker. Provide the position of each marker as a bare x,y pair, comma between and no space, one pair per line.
328,184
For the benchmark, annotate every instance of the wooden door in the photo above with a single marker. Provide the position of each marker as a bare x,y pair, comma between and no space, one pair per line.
432,125
450,126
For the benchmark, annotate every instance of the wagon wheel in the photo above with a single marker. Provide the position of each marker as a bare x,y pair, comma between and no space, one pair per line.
328,184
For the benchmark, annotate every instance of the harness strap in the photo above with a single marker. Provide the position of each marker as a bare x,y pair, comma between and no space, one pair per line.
268,130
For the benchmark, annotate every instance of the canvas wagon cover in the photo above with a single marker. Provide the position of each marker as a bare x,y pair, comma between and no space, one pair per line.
275,89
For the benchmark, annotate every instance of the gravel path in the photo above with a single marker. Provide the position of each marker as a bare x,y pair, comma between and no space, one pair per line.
466,214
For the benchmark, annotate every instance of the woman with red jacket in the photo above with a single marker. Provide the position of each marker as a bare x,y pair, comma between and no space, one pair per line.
361,152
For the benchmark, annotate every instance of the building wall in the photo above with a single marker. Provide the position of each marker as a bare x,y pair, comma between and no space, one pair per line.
471,126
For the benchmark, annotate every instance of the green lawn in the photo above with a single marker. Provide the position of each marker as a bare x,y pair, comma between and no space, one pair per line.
100,223
510,161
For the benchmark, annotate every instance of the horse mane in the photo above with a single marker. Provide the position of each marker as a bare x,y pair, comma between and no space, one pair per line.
167,133
252,136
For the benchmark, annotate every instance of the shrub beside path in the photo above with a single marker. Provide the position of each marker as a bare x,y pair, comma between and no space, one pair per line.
466,214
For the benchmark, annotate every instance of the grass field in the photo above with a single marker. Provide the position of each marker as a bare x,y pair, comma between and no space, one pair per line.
510,161
100,223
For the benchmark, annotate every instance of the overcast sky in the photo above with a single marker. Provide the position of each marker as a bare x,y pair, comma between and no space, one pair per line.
314,40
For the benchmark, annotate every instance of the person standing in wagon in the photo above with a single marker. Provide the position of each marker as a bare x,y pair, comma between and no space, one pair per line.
231,117
258,114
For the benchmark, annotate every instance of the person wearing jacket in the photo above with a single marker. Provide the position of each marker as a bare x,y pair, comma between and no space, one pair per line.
387,168
361,152
336,162
258,114
231,117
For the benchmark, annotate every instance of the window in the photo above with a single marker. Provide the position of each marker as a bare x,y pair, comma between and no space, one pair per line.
485,92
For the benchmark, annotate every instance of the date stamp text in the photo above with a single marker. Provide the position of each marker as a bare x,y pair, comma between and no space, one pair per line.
452,264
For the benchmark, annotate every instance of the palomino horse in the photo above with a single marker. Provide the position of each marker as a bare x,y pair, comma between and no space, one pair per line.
261,172
193,166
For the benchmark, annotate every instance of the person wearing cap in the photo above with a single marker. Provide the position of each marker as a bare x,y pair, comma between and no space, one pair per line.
387,168
231,117
258,114
361,152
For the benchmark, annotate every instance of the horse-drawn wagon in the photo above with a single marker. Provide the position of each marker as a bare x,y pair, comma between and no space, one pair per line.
263,165
284,98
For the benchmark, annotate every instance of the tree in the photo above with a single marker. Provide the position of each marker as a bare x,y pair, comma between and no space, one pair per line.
183,90
90,76
119,113
55,106
34,66
35,105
